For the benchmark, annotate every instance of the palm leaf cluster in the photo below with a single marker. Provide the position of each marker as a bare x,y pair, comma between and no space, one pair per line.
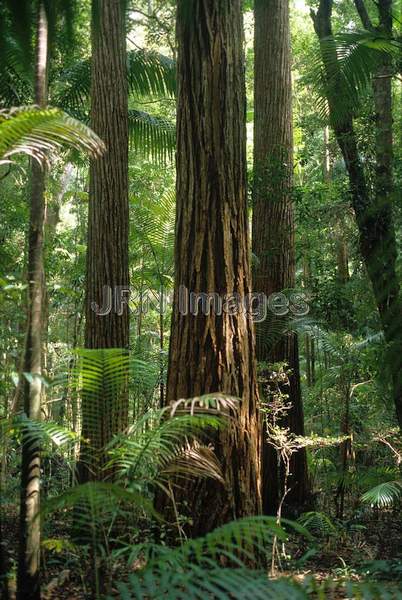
149,74
318,523
44,431
198,584
37,132
157,446
353,57
153,241
161,442
384,495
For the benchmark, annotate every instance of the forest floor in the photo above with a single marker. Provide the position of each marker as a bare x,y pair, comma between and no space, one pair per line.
371,549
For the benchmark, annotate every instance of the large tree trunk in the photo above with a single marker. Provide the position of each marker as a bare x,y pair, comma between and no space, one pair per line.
273,220
374,216
28,585
389,299
212,352
108,219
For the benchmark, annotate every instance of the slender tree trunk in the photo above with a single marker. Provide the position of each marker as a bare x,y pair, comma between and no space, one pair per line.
374,216
389,300
309,343
214,352
108,218
28,585
342,254
273,220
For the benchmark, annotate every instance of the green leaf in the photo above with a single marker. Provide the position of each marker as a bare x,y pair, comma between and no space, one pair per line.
36,132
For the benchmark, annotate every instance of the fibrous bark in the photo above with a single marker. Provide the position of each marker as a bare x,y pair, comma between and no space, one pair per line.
212,352
108,218
273,221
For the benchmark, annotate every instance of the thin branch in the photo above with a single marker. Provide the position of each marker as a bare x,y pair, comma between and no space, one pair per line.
363,14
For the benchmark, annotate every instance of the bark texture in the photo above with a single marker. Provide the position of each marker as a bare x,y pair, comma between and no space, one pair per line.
28,584
273,220
212,352
374,215
108,217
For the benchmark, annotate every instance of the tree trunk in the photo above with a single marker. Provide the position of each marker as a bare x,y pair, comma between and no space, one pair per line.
28,585
309,342
214,352
342,254
374,216
273,220
389,300
108,218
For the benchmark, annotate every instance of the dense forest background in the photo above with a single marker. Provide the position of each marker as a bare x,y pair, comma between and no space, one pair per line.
157,449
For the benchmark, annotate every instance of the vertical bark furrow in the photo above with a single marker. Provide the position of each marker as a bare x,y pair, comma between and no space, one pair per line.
214,353
273,216
108,222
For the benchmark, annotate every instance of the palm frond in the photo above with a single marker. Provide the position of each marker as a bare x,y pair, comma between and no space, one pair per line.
151,135
153,240
198,584
36,132
96,505
154,222
16,77
73,87
194,460
349,60
148,74
219,404
384,495
151,447
196,568
317,523
37,431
